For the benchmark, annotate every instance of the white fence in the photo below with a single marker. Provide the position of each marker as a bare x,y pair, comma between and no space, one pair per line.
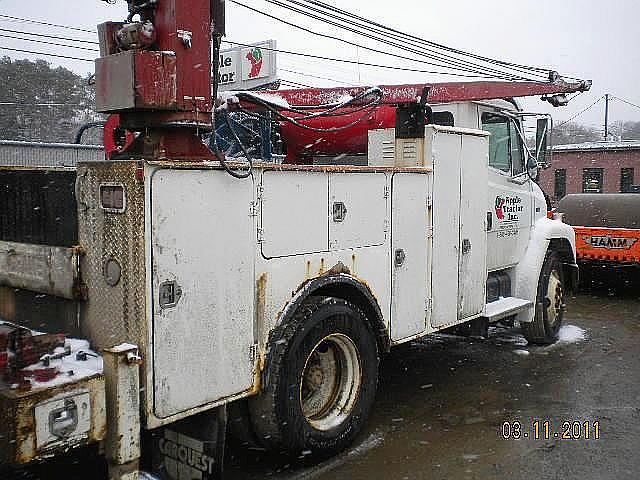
34,154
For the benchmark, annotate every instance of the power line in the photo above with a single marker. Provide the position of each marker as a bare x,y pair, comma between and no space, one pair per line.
428,42
34,40
315,76
55,37
593,104
384,36
324,35
353,62
18,104
225,41
367,25
295,84
580,113
46,54
625,101
292,53
28,20
455,64
318,3
287,52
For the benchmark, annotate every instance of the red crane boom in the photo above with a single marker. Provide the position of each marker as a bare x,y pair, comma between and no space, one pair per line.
438,92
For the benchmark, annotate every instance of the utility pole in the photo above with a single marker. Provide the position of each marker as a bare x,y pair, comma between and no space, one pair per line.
606,116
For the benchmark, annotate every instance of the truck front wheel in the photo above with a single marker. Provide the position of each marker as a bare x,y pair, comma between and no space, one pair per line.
320,381
550,304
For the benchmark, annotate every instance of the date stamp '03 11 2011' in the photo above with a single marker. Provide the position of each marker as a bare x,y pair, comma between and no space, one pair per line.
546,430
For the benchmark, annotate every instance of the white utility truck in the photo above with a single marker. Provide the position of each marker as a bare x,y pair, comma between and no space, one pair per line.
285,288
185,289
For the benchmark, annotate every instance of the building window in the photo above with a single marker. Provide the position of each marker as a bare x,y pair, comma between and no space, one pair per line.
560,189
626,180
592,180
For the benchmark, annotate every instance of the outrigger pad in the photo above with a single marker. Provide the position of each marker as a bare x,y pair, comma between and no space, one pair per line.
190,448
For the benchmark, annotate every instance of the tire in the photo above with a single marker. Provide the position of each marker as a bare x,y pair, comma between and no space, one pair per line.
544,328
320,381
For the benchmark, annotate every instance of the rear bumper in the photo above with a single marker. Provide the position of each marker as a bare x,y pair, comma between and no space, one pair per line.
30,421
41,268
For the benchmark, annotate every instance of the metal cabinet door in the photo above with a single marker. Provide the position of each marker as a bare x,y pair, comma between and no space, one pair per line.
294,213
358,210
472,271
202,245
411,254
446,228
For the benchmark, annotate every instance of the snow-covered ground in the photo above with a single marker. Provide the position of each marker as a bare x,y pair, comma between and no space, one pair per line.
571,334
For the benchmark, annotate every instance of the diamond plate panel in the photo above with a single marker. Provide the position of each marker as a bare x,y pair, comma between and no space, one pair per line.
113,313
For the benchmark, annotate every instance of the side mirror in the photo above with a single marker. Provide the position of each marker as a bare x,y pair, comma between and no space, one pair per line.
543,132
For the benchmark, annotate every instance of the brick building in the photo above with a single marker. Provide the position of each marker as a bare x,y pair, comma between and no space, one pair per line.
597,167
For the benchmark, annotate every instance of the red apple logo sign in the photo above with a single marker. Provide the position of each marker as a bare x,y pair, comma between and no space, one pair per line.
255,57
499,208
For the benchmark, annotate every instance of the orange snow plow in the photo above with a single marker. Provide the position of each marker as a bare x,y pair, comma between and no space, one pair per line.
618,245
607,227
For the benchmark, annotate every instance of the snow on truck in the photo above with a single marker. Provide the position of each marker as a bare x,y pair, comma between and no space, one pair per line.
212,296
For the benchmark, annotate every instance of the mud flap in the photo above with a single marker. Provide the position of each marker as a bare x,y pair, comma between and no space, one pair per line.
189,449
572,276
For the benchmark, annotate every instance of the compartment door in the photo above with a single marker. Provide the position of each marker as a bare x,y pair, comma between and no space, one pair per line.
294,213
202,246
411,254
473,236
446,228
358,210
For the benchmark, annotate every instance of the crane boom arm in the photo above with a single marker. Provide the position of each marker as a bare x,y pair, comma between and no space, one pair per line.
438,92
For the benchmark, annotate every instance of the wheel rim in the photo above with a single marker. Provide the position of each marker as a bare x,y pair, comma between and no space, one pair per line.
555,299
330,381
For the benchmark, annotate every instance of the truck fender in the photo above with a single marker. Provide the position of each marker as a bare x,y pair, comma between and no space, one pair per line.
546,234
344,286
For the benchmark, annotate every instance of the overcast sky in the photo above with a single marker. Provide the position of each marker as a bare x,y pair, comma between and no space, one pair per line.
586,39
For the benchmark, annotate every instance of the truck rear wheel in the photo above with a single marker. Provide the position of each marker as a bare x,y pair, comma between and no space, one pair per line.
544,328
320,382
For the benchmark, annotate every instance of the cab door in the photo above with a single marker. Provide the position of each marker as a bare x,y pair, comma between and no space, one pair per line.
510,202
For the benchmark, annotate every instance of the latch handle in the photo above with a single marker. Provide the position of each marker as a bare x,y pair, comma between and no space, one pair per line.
466,246
169,294
339,211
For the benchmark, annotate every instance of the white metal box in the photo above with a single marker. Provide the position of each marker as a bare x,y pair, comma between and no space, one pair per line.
202,246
